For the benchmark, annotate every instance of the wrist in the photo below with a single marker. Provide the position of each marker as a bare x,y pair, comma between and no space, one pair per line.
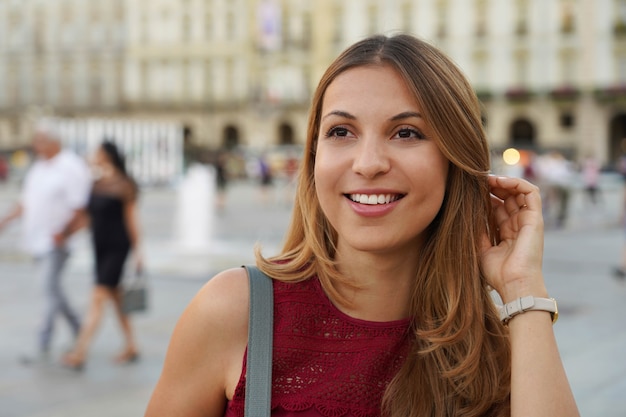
522,288
529,304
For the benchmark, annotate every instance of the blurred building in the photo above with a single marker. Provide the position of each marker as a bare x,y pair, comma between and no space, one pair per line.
550,75
65,57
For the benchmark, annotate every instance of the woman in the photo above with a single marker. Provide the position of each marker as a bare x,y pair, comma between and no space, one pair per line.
112,213
382,291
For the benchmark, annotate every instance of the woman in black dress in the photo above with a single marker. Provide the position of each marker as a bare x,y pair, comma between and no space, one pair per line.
113,222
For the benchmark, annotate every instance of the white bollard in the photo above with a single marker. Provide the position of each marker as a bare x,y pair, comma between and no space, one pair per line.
195,214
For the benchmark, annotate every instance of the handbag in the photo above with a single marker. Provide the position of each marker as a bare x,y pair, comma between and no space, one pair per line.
260,334
135,293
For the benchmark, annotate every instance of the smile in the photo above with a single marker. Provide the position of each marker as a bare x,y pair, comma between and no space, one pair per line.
374,199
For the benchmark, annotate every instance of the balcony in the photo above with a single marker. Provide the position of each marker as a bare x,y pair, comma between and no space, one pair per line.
611,95
519,95
564,94
484,95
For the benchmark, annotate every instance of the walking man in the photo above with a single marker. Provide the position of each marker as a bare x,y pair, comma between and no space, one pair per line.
55,191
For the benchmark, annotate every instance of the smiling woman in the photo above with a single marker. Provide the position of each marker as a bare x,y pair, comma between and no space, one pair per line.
382,300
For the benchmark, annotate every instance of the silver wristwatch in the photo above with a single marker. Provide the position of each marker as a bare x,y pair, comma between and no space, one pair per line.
529,303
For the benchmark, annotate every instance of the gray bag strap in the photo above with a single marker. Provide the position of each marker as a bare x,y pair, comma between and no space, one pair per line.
260,335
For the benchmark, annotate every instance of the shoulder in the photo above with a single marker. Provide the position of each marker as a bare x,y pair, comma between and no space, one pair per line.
227,293
205,357
75,167
216,321
129,190
69,158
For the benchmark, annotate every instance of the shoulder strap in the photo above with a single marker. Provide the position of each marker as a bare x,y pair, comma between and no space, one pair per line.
260,335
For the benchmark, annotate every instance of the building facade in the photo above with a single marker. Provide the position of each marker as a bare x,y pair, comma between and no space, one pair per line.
550,75
64,57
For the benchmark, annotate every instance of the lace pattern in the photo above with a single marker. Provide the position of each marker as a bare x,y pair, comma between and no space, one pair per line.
324,362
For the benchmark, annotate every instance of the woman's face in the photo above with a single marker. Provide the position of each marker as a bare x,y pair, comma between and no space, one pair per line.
379,174
100,158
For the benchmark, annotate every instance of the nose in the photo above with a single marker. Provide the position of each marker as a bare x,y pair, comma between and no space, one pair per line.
371,159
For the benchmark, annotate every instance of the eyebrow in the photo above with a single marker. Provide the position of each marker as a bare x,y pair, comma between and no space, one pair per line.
340,113
400,116
406,115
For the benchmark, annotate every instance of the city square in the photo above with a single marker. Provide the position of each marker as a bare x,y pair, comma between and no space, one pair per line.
577,265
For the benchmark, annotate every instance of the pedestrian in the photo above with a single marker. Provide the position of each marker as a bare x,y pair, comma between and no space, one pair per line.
53,199
266,178
221,179
382,292
556,173
112,218
591,176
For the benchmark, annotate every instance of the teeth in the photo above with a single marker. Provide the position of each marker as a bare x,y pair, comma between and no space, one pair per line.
373,199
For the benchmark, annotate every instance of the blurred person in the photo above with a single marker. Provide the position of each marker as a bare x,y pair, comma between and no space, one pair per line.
382,292
530,169
291,170
221,178
53,199
112,218
555,177
590,169
619,271
4,169
266,178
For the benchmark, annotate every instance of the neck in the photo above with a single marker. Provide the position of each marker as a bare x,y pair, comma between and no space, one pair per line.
383,284
51,153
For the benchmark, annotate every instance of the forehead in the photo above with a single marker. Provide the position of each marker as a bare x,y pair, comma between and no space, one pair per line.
368,87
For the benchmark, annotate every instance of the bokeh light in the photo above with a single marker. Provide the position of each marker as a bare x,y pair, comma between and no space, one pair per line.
511,156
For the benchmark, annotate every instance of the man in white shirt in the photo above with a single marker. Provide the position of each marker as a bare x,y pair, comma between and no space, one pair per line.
55,193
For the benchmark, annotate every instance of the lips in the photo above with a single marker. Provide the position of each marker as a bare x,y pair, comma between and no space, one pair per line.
374,199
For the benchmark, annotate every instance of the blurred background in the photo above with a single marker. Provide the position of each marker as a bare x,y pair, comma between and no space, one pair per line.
209,101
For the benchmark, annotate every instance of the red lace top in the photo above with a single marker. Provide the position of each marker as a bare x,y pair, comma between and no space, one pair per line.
326,363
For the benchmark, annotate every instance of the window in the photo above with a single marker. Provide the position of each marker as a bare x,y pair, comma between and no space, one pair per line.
372,19
620,60
442,13
481,17
521,23
567,17
307,30
619,27
208,79
95,84
208,26
186,28
481,76
521,68
568,67
231,28
566,120
339,16
407,23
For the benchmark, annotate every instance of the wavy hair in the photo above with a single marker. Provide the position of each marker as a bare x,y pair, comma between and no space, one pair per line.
459,361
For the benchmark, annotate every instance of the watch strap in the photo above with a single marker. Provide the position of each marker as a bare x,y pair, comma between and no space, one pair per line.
528,303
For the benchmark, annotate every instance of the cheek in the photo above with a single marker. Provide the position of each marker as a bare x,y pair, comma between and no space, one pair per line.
326,176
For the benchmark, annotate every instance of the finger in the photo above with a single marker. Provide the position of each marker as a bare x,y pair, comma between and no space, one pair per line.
500,213
505,187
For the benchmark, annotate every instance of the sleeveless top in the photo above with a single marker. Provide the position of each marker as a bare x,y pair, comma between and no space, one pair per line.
106,210
326,363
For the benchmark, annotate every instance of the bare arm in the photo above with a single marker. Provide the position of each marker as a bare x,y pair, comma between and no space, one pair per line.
79,219
204,360
539,385
13,214
131,220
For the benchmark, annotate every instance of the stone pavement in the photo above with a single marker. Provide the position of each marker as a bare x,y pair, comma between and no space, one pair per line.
591,331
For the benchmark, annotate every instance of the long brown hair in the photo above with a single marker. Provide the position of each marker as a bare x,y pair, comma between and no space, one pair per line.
459,361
